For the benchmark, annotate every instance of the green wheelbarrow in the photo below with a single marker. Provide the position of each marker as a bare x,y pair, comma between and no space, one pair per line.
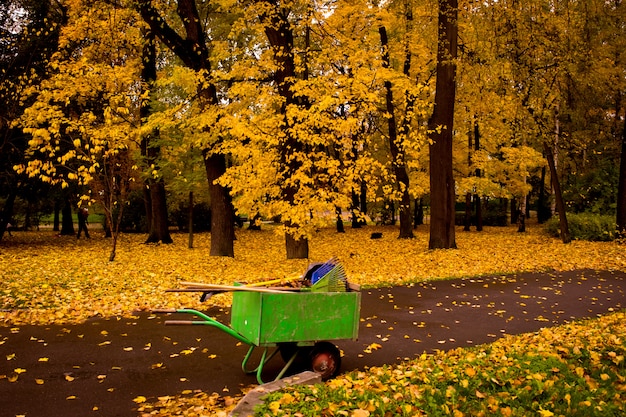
297,324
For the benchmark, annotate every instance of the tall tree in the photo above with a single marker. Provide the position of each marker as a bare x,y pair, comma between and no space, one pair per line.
396,141
280,36
154,191
441,124
82,116
621,193
193,50
29,32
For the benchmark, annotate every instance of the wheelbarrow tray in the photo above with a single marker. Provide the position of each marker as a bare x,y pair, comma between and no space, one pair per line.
270,318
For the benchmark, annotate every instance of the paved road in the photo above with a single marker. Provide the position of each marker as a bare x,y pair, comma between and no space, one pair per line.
97,368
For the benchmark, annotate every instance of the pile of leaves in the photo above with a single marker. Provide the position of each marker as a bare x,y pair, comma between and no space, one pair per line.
572,370
59,279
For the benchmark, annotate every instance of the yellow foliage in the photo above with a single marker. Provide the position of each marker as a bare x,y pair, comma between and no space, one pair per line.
48,279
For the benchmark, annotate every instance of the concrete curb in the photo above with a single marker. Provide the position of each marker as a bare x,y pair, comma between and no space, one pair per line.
245,407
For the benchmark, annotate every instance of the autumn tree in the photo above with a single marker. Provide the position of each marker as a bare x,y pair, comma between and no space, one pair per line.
302,147
28,37
154,191
398,135
83,114
193,48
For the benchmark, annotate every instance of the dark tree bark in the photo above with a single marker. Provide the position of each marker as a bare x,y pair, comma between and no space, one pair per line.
339,222
396,148
479,212
156,203
621,189
356,219
7,212
255,222
514,211
558,195
159,227
56,219
521,213
67,223
418,213
194,53
442,196
543,210
467,220
363,201
222,211
477,198
190,221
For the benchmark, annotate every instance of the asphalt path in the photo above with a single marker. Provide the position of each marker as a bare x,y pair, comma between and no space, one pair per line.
97,368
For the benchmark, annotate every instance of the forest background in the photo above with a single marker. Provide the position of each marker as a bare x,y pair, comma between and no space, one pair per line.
303,111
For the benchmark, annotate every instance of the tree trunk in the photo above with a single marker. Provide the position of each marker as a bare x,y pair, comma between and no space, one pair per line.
479,212
621,189
543,210
442,233
156,204
7,212
222,212
296,248
514,210
356,220
396,148
190,221
467,221
363,201
159,228
67,223
418,213
521,219
479,206
339,222
558,196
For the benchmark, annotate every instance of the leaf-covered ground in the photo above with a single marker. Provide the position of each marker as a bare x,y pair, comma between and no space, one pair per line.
576,369
50,279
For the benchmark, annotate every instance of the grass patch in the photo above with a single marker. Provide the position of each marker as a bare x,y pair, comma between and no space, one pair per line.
572,370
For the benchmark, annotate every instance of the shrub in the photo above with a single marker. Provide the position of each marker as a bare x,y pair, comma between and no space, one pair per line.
134,215
201,217
585,226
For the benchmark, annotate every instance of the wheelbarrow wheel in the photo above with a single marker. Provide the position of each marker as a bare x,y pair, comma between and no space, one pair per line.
325,360
301,362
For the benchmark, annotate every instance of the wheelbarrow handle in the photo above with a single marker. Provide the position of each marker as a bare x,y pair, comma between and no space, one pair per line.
206,321
182,322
